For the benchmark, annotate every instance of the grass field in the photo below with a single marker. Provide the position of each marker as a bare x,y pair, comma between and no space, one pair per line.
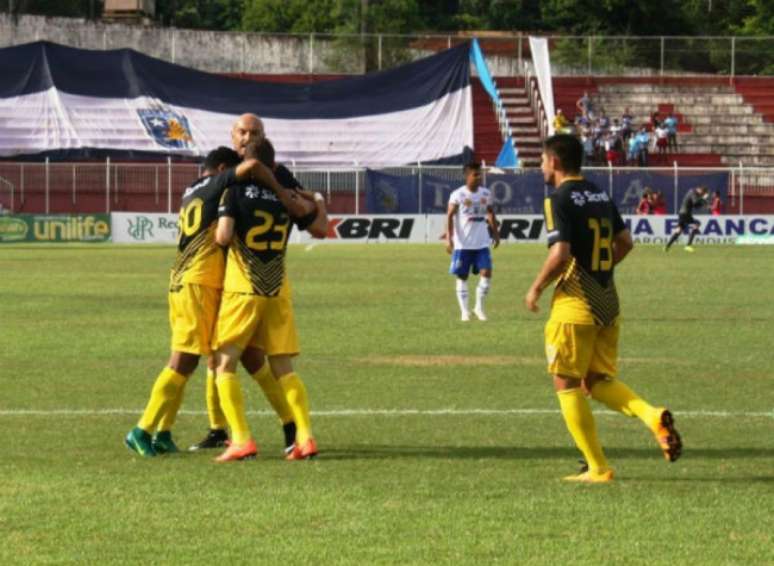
441,441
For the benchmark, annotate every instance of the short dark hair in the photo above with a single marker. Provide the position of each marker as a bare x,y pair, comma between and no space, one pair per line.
567,149
471,166
266,154
221,156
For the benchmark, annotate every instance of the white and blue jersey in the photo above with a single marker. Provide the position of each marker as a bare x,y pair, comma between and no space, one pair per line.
471,232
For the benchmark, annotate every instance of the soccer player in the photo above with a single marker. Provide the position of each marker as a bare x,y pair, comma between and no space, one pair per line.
695,198
587,239
471,227
256,311
194,294
249,127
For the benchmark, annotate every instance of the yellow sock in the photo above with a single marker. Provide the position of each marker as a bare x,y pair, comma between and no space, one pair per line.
169,416
580,422
618,397
168,386
295,393
274,393
233,404
214,412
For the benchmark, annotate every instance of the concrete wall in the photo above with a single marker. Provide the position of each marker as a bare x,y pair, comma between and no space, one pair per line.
218,52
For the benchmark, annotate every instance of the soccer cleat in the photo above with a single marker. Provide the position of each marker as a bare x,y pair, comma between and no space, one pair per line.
289,430
591,477
666,248
465,316
235,452
216,438
667,436
307,451
140,441
689,249
163,444
480,315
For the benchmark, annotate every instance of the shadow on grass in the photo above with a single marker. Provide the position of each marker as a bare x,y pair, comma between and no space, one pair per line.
389,452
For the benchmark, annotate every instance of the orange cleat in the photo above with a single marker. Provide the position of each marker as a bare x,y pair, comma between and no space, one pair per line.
307,451
235,452
667,436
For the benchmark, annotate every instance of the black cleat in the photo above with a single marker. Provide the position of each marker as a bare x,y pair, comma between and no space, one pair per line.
289,429
216,438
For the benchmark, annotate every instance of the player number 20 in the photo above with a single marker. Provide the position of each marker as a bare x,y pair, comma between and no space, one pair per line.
601,226
254,239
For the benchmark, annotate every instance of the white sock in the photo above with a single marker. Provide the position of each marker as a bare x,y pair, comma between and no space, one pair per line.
482,290
462,295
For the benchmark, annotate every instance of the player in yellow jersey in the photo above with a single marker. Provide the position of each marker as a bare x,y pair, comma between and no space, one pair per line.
247,129
256,310
194,294
587,239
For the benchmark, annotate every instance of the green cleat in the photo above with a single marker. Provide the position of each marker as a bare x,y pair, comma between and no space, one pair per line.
163,443
140,441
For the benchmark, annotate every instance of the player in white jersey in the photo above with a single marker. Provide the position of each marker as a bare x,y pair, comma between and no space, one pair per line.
471,227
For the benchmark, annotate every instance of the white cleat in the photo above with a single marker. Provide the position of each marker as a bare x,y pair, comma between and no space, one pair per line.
480,315
465,316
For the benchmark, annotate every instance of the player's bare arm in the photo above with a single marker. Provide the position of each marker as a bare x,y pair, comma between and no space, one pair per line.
318,228
452,210
554,265
225,231
622,245
492,221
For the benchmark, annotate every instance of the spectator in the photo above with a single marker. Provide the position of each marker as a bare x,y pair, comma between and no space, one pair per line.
671,126
658,204
615,128
716,207
661,140
634,150
627,121
643,140
645,205
655,121
588,147
560,122
584,104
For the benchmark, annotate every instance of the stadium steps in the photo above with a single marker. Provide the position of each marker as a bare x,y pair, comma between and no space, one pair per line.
521,120
759,93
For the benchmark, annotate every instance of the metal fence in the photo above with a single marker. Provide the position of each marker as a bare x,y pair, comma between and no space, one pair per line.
158,187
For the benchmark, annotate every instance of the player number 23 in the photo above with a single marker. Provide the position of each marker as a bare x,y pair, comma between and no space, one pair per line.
255,239
601,226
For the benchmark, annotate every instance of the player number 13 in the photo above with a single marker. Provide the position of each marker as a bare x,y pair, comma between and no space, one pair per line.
601,226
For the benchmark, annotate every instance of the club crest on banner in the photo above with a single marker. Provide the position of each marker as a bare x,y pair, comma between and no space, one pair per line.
168,129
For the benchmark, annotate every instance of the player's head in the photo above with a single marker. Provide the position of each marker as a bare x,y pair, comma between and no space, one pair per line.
701,190
472,172
265,153
563,155
247,129
220,159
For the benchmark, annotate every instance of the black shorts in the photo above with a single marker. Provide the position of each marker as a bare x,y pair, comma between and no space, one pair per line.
686,220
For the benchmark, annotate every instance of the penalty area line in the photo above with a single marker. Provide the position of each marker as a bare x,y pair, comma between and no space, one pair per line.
378,413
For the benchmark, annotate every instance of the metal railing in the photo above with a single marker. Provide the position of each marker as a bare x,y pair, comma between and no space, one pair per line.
157,187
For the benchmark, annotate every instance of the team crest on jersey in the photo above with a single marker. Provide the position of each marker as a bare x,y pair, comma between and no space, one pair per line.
483,201
467,202
252,191
577,198
167,128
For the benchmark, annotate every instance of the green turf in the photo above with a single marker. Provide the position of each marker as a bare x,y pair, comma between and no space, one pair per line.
85,328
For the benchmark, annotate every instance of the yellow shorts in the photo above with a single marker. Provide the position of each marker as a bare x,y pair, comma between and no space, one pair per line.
261,322
193,310
575,350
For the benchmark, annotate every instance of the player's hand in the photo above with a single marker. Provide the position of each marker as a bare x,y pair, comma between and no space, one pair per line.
449,248
531,299
496,242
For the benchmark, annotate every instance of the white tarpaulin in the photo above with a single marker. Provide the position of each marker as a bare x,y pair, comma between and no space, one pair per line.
542,61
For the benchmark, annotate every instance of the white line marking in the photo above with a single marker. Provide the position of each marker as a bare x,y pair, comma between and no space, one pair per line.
377,413
310,247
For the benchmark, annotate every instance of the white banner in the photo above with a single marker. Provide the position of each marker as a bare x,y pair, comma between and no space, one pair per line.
542,62
135,228
144,228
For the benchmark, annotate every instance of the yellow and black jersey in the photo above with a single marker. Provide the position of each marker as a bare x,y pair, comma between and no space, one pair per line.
584,216
199,259
262,225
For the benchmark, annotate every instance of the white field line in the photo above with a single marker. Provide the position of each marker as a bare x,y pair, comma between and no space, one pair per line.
378,413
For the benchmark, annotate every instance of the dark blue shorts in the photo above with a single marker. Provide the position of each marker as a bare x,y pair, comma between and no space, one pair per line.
463,261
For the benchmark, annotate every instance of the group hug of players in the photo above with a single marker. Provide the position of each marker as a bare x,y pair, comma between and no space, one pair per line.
586,236
230,299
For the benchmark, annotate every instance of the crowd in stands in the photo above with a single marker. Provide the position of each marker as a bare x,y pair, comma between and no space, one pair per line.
618,141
